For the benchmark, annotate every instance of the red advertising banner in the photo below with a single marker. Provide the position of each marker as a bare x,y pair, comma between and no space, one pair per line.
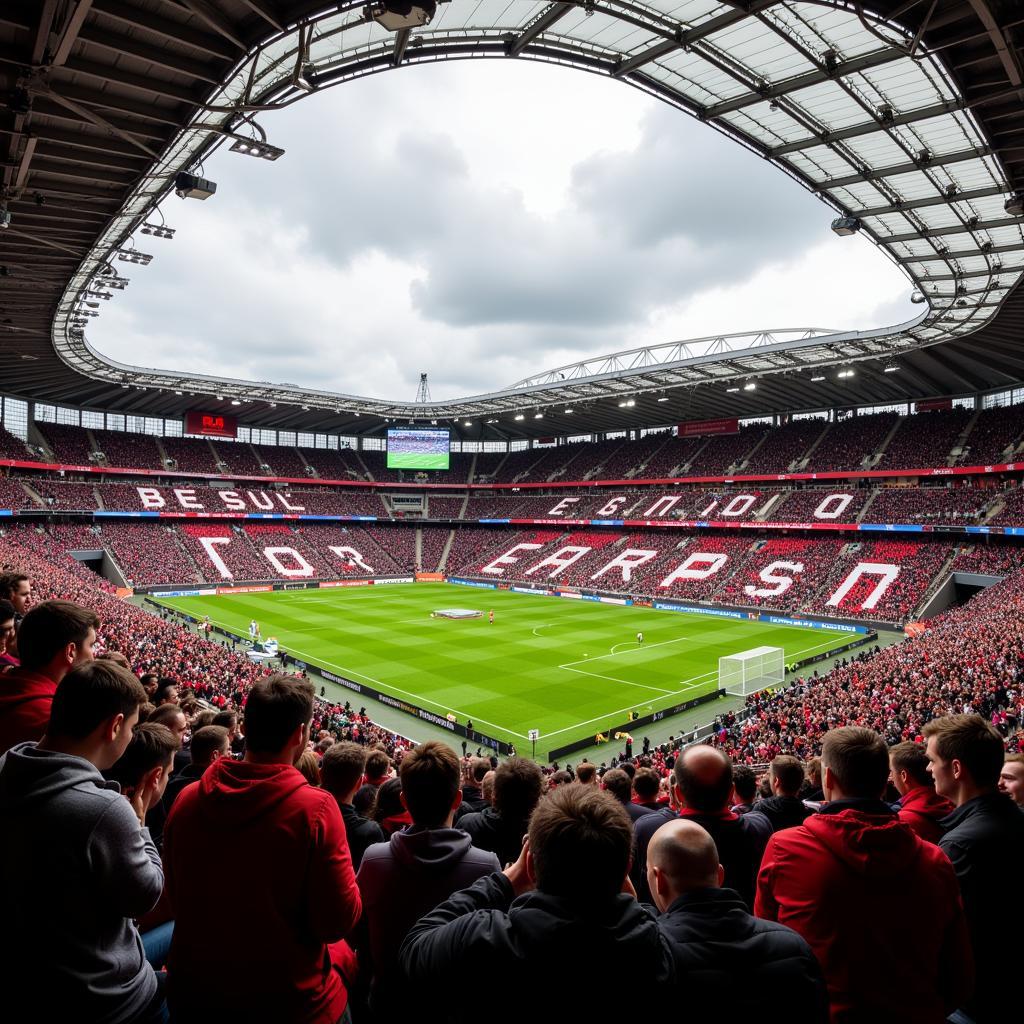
933,404
698,427
211,424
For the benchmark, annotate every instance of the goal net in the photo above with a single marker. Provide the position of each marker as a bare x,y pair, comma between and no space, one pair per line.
753,670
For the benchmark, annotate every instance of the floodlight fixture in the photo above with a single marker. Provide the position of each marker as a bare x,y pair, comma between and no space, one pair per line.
892,368
917,297
191,186
98,295
157,230
395,15
731,391
844,226
664,398
520,416
846,373
1014,206
256,148
750,386
467,423
817,380
134,256
235,401
567,412
538,415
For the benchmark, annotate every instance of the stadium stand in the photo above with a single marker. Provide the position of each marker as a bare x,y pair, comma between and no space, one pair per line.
928,504
191,455
834,504
135,451
727,453
236,555
344,464
12,447
149,554
1009,507
995,436
432,547
444,507
989,559
925,439
850,442
14,496
240,458
785,447
70,445
61,494
282,461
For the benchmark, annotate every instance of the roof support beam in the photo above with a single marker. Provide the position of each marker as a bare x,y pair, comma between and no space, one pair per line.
850,67
887,172
937,200
215,20
101,123
263,10
953,229
108,73
130,14
538,26
157,55
867,128
71,32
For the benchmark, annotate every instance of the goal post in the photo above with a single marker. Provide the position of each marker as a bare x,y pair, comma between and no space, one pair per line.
749,671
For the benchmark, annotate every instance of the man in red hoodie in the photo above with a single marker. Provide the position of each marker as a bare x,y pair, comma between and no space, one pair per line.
282,843
879,906
55,637
920,806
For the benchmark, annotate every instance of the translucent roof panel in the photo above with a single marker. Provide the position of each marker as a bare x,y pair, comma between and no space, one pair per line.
829,95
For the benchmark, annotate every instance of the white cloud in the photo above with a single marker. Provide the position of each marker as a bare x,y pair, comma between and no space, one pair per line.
482,222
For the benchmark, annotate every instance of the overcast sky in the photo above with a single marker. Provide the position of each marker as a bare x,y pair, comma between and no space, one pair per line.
483,221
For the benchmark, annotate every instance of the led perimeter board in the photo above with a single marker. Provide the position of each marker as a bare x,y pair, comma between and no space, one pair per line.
414,448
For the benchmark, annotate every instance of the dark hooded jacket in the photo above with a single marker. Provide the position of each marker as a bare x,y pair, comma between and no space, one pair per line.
879,906
400,881
263,834
75,868
783,811
501,952
491,830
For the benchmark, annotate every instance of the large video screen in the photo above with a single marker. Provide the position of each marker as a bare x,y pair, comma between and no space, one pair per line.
415,448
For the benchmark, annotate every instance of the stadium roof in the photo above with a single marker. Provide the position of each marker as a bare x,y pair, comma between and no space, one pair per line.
906,115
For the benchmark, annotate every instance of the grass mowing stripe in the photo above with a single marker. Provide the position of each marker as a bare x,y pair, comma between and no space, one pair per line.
507,677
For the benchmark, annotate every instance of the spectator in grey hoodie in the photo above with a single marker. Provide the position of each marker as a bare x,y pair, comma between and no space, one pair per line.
77,863
419,867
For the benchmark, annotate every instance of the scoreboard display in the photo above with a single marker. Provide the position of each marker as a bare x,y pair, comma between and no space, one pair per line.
418,448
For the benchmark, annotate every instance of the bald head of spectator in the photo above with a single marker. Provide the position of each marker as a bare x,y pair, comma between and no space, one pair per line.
682,857
487,787
703,779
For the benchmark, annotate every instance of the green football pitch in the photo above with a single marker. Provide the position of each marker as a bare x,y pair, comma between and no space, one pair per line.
569,669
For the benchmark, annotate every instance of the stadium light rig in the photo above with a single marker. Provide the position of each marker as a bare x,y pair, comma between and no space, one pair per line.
157,230
890,369
256,148
846,373
191,186
816,380
750,386
134,256
395,15
1014,206
844,226
520,416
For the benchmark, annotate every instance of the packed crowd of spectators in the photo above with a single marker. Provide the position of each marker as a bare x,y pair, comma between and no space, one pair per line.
343,464
727,453
191,455
12,447
14,496
432,547
787,445
240,458
65,495
996,433
925,439
929,505
849,442
149,554
444,506
70,445
128,450
282,460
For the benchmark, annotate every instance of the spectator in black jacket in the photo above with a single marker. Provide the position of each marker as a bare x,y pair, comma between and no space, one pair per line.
984,838
563,910
618,783
744,788
341,774
208,743
419,867
703,789
784,808
715,940
500,829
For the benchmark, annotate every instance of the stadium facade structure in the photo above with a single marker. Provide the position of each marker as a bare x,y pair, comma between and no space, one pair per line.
908,116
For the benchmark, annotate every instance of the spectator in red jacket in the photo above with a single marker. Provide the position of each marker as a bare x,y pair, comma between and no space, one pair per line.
920,806
282,844
54,637
879,906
